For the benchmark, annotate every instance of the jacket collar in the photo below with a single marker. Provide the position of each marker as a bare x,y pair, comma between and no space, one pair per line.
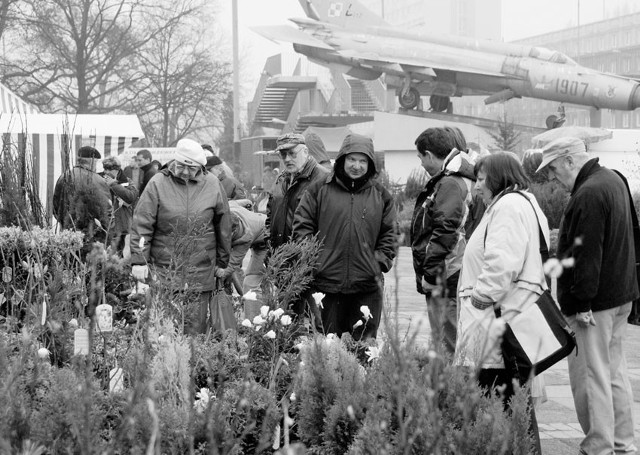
304,173
588,169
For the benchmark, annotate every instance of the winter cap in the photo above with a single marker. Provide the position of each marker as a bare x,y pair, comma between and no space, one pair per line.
213,161
356,143
563,146
190,153
88,152
208,148
288,141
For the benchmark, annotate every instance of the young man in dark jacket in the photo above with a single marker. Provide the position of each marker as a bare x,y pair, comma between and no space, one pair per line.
438,228
596,292
148,168
354,217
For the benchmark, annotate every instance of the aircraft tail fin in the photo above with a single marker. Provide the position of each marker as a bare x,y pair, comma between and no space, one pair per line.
345,13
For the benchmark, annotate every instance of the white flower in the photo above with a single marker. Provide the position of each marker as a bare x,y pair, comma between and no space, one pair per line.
250,296
292,397
285,320
270,334
141,242
202,400
278,312
318,296
258,320
43,353
350,412
73,322
264,311
332,337
552,268
567,263
357,324
98,223
498,327
247,323
288,421
432,355
364,309
373,353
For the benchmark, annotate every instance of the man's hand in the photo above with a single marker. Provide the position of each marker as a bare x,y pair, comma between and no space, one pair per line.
223,273
140,272
585,319
430,289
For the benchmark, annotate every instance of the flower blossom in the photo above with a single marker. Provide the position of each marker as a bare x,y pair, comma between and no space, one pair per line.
258,320
364,309
553,268
202,400
285,320
278,312
43,353
264,311
270,334
247,323
357,324
73,323
373,352
318,296
251,295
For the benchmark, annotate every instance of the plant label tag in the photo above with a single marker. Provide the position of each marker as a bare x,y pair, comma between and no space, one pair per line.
104,318
80,342
7,273
115,380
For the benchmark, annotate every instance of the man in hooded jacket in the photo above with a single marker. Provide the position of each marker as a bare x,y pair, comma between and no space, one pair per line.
438,228
353,215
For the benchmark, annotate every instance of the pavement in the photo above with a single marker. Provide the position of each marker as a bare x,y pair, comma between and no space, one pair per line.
560,432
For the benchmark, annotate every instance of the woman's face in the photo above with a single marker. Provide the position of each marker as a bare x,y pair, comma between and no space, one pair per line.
183,171
481,187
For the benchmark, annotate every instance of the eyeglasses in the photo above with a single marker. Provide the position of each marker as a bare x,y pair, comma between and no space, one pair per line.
184,167
291,152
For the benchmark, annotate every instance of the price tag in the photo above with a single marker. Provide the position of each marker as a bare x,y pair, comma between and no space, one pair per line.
104,318
80,342
7,274
115,380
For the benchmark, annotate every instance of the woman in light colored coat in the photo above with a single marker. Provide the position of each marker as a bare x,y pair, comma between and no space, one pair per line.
501,270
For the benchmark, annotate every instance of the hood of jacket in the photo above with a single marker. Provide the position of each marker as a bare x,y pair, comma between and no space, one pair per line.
316,148
459,163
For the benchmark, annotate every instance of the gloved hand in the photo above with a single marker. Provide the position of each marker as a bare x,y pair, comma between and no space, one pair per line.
585,319
140,272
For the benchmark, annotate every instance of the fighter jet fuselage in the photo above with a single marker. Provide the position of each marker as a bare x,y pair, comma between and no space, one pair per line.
349,38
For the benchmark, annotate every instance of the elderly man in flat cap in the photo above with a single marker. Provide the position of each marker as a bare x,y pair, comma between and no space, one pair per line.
300,170
596,293
81,199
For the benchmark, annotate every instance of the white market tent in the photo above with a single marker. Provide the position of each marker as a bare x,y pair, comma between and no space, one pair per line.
44,137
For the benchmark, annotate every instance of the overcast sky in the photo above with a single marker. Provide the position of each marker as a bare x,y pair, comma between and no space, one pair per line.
521,18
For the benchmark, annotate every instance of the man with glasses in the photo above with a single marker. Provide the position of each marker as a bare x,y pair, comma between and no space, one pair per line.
300,170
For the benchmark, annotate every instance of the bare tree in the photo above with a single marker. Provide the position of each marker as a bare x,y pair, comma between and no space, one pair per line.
82,54
184,84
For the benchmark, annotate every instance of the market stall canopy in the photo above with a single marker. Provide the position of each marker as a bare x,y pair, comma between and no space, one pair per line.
45,138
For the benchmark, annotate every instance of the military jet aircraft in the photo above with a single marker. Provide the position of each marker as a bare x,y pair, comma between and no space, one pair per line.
346,36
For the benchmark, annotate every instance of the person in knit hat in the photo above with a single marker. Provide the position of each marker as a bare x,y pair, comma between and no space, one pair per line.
182,230
354,216
232,186
81,199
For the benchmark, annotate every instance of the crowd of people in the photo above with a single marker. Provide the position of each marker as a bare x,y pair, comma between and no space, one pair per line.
476,238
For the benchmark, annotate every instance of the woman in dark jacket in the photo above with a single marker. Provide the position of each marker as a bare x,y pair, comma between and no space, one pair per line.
354,217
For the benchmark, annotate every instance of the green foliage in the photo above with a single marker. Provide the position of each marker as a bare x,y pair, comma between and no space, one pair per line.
506,137
553,199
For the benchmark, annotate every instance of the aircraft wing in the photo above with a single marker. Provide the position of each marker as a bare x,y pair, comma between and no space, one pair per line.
413,65
279,33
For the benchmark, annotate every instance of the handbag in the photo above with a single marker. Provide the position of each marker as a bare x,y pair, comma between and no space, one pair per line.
222,316
540,336
634,316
